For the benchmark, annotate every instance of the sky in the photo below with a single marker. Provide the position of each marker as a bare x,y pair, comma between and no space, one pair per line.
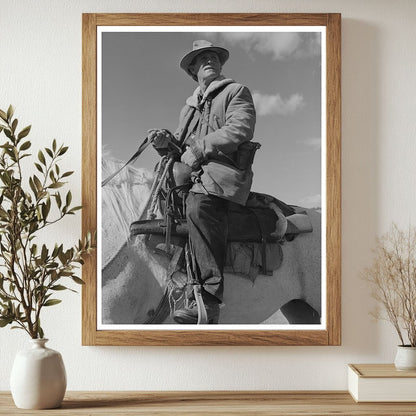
143,87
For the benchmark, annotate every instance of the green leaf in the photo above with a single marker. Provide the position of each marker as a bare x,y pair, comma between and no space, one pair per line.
54,276
33,187
39,167
49,152
5,145
78,280
8,133
14,125
63,150
68,199
37,182
59,287
56,185
4,298
54,145
41,157
51,302
40,332
5,321
55,251
10,112
44,253
67,174
45,211
24,132
3,115
25,145
58,199
75,209
62,257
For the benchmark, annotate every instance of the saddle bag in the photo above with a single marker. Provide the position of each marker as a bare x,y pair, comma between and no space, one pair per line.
245,154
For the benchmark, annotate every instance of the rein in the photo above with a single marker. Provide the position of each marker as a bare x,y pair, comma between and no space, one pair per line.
139,151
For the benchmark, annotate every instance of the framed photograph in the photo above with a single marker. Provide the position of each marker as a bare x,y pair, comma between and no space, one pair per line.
211,172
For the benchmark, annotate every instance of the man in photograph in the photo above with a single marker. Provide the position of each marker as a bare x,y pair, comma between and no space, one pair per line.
215,126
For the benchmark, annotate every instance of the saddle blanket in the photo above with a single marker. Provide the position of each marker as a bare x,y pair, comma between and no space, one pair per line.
246,259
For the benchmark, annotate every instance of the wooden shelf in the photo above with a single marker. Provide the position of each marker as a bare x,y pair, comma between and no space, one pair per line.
266,403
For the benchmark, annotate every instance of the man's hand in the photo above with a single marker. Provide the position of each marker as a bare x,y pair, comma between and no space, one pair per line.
160,138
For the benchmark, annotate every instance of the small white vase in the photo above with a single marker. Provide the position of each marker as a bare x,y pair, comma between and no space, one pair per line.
405,358
38,377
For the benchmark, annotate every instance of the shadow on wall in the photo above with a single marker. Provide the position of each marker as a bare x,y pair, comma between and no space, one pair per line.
360,179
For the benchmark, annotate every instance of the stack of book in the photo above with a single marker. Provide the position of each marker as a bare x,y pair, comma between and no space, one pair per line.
381,383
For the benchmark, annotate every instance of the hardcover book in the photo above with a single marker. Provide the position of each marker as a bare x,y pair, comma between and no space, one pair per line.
381,383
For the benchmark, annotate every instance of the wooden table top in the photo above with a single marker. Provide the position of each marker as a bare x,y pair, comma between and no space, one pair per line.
253,403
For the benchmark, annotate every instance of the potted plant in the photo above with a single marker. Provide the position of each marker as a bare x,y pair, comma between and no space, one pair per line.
393,277
31,272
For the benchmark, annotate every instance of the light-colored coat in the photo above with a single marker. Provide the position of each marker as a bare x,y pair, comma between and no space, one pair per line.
227,120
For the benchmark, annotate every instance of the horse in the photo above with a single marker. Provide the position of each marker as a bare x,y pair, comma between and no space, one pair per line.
134,278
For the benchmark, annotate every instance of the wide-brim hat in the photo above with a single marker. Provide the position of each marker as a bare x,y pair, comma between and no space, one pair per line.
198,47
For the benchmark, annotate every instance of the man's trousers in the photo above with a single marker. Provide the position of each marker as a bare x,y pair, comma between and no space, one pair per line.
207,218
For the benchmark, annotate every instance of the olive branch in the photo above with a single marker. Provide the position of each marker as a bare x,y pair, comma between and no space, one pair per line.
31,273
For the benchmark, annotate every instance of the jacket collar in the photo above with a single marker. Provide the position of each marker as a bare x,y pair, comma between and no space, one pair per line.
194,100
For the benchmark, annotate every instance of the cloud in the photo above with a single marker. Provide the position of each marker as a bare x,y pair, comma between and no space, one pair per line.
311,201
313,142
278,45
274,104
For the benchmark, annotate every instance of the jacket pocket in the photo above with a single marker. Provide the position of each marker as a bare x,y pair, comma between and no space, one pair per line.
227,182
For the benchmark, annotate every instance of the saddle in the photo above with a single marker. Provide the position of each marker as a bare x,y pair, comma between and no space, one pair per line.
265,223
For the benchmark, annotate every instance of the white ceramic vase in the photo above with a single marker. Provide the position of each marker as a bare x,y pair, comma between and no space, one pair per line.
405,358
38,378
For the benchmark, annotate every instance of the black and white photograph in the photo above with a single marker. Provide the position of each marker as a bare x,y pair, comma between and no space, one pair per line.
211,191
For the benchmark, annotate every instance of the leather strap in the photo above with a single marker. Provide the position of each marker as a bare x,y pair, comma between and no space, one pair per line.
192,126
139,151
197,289
202,311
263,235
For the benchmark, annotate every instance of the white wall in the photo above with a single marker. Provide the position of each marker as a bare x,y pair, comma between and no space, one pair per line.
40,73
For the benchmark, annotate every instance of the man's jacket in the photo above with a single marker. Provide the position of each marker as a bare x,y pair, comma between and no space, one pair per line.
227,119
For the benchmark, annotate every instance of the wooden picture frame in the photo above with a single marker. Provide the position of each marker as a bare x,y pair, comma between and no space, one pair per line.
330,334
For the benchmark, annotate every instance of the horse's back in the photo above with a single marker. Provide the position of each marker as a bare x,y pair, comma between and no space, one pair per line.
299,277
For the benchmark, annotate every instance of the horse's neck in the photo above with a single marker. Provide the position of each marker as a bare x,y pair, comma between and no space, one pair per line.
123,200
125,196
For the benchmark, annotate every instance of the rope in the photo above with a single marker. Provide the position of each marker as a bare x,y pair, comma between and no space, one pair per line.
154,184
162,178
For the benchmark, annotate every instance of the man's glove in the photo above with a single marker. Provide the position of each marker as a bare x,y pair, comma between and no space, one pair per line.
162,140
